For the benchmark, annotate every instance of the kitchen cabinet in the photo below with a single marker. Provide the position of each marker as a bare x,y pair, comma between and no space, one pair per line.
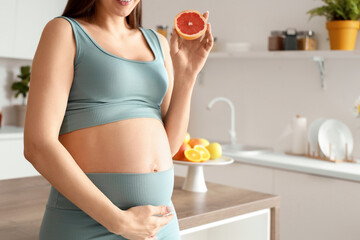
315,207
225,212
7,26
312,206
22,22
12,161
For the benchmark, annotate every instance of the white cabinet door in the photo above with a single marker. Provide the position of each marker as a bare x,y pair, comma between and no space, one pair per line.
7,26
253,225
314,207
241,175
30,18
12,161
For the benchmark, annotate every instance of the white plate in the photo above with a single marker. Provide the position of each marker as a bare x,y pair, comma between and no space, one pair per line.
313,134
223,160
337,133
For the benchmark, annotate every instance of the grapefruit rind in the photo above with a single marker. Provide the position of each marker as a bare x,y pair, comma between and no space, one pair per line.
188,36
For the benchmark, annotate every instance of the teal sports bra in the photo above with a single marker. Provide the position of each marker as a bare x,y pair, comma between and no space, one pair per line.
107,88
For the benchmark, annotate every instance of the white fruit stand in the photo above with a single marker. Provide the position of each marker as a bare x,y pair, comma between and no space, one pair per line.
195,181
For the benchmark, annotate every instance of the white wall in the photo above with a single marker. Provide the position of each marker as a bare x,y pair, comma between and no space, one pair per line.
266,93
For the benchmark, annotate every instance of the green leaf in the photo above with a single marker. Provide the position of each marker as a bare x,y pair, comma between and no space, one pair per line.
337,10
25,70
22,86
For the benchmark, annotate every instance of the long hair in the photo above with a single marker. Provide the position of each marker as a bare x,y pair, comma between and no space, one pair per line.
86,9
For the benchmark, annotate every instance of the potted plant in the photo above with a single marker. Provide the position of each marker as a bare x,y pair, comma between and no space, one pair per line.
21,87
342,22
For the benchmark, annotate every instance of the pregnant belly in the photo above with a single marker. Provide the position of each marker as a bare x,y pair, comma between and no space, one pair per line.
137,145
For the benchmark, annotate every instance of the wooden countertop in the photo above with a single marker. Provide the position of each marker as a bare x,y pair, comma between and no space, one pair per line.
23,200
219,202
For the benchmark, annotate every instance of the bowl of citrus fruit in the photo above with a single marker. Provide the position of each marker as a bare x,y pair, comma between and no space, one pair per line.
196,153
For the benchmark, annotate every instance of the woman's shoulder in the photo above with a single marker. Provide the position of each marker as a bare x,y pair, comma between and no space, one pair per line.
163,40
59,25
57,33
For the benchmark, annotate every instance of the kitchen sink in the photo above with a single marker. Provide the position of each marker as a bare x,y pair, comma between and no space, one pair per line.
241,149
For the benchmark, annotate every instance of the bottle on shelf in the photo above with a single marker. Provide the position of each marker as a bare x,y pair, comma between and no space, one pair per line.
306,40
162,29
290,39
276,41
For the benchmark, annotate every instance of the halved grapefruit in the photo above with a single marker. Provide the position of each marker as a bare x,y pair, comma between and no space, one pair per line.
190,24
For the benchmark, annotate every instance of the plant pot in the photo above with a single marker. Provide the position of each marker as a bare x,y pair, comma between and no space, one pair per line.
343,34
20,114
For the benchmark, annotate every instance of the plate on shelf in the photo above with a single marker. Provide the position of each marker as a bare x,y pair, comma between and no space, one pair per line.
313,134
338,134
223,160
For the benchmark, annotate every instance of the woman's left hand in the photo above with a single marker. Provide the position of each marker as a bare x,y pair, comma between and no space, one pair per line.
189,56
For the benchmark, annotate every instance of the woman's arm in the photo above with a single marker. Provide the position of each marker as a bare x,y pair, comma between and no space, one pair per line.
183,62
51,79
175,107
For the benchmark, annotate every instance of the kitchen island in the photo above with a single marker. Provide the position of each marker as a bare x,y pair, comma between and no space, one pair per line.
311,191
222,212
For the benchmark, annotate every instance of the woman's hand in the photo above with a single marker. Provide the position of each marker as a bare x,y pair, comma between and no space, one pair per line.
189,56
139,222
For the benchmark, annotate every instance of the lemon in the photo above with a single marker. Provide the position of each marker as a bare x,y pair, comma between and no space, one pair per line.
187,138
215,150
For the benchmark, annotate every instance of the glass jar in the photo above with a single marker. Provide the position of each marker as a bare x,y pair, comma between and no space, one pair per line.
290,39
306,40
162,29
276,41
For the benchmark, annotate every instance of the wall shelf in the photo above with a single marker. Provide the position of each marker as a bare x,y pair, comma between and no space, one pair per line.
318,56
326,54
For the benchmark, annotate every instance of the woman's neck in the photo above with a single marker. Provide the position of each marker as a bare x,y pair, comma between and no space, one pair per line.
111,23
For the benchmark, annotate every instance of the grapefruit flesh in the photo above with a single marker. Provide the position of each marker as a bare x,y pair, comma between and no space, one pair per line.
190,24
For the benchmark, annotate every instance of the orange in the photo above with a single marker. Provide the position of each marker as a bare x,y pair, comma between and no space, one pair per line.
180,153
192,155
205,154
198,141
194,141
190,24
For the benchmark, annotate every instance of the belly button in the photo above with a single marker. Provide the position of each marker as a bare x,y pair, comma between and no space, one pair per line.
154,169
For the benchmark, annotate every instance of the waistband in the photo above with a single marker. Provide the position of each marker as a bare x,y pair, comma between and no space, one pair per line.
125,190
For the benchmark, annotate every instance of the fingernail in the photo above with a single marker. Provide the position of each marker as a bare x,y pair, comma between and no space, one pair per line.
169,208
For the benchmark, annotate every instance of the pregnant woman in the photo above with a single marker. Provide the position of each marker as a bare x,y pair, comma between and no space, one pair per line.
108,107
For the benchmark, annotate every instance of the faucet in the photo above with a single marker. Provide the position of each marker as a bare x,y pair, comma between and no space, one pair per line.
232,111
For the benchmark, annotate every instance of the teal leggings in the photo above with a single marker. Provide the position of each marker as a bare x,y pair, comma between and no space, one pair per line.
63,220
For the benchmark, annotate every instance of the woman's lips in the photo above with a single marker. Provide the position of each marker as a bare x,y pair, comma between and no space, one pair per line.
124,3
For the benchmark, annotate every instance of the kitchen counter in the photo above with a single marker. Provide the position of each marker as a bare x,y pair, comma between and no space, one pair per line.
220,202
344,170
11,132
24,199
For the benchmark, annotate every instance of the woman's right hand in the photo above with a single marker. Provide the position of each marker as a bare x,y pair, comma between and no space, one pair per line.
141,222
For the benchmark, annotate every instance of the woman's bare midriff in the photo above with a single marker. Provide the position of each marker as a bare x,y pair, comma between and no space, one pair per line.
135,145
